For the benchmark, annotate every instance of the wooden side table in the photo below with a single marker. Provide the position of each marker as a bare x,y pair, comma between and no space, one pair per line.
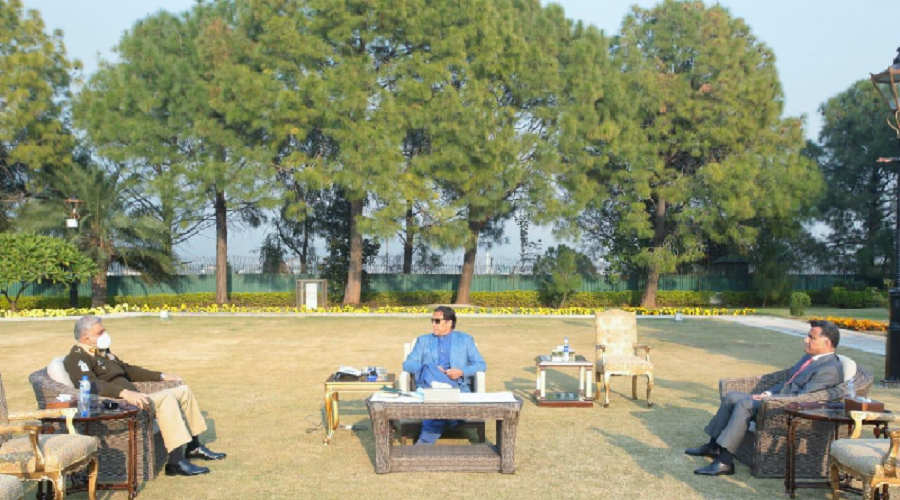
332,399
100,418
584,398
822,412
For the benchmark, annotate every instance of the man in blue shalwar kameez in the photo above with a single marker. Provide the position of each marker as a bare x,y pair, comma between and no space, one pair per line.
446,356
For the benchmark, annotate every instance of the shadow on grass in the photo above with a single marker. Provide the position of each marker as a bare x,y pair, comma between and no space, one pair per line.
557,381
678,428
210,435
741,342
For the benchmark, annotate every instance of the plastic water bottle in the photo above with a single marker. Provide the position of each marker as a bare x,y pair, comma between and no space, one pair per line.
851,390
566,349
84,397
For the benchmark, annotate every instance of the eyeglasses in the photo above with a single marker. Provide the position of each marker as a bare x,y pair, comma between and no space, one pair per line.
437,321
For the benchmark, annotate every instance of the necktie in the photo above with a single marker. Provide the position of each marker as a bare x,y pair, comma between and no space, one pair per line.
802,367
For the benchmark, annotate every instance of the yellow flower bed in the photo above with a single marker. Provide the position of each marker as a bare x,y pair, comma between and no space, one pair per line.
860,325
227,308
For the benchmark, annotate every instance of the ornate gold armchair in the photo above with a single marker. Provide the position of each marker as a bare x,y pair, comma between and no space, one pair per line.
10,488
874,461
617,352
45,457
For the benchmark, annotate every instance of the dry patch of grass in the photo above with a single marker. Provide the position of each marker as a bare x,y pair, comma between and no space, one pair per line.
260,382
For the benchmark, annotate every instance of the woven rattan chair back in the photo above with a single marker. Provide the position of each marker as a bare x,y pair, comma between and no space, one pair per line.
617,330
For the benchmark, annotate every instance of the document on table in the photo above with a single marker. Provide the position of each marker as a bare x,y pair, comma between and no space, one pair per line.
487,397
379,397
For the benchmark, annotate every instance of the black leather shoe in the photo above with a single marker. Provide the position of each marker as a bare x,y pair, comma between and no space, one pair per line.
185,468
716,468
707,450
204,453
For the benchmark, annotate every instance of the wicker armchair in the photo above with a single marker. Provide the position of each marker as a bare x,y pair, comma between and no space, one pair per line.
410,429
151,454
764,450
10,488
45,457
874,461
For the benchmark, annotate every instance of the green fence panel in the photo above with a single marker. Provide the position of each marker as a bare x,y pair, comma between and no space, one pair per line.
252,283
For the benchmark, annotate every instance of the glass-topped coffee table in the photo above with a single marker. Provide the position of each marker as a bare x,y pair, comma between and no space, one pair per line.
583,398
332,399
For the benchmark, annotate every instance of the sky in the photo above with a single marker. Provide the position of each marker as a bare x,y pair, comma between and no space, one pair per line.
821,48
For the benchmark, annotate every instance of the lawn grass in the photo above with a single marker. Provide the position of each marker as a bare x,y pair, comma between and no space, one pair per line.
874,314
260,383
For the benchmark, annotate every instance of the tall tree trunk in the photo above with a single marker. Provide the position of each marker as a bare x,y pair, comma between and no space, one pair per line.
353,292
221,248
73,294
304,253
872,227
167,213
648,299
408,244
468,270
98,284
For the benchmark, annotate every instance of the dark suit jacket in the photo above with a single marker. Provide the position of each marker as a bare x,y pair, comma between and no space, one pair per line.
823,373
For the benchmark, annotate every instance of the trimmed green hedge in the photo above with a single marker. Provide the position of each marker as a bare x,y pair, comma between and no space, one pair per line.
41,302
838,297
512,298
846,299
265,299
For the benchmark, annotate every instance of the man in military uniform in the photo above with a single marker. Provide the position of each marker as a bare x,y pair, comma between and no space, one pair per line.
176,409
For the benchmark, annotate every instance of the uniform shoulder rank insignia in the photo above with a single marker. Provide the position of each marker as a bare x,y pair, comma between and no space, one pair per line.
84,367
110,356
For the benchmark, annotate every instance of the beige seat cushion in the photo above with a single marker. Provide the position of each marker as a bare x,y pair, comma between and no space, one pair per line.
10,488
848,366
620,363
57,371
60,451
862,455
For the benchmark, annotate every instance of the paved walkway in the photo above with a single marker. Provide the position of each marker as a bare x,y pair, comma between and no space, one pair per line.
864,342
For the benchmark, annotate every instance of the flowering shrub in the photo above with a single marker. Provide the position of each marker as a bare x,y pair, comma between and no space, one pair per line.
860,325
229,309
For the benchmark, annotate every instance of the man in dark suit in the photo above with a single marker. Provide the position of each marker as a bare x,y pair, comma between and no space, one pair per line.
817,370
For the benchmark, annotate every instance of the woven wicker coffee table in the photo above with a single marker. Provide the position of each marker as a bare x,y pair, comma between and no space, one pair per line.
499,457
333,402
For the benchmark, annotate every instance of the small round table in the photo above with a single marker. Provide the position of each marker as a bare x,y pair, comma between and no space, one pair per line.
821,412
126,413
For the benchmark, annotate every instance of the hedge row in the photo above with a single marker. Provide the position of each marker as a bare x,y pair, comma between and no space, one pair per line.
837,297
41,302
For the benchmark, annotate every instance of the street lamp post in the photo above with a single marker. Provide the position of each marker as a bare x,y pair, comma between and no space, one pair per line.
72,223
888,84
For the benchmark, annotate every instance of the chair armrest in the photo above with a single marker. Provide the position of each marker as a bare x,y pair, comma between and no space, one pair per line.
642,347
752,385
68,413
872,416
156,385
479,382
34,431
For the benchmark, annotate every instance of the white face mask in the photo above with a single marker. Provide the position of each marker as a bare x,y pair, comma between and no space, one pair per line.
104,341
